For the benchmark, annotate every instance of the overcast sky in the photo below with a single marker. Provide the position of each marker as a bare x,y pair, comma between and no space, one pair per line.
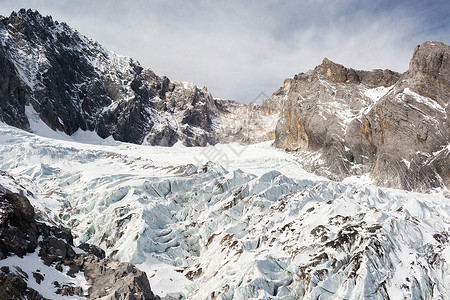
239,49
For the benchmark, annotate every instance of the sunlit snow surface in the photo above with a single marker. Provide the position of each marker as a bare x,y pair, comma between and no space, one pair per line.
32,263
252,224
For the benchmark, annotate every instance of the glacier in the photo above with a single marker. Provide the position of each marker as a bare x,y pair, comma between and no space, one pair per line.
235,222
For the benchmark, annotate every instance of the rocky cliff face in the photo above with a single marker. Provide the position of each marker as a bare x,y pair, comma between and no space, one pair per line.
246,123
73,83
394,126
25,240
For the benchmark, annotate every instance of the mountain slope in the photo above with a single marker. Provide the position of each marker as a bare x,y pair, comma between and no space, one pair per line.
393,126
342,122
73,83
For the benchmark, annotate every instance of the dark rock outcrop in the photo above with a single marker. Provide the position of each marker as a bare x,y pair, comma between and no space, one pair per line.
21,233
13,285
18,229
13,94
394,126
92,249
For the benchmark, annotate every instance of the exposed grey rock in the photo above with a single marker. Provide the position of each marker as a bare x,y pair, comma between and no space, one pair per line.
339,74
92,249
401,139
68,290
409,128
246,123
115,280
316,107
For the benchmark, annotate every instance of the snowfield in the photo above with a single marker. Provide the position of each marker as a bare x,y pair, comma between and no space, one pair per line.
235,222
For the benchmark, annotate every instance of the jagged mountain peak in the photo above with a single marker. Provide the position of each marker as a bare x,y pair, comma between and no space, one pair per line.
337,73
29,21
431,58
56,75
429,72
34,26
29,15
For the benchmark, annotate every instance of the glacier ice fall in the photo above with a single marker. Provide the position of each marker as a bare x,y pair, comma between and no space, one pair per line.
250,225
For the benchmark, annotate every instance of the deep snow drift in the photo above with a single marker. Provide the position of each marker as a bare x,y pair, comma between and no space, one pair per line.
241,222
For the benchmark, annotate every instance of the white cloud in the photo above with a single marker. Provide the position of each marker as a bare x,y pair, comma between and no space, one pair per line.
239,49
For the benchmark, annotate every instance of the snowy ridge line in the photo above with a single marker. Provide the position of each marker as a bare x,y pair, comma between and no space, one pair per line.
228,233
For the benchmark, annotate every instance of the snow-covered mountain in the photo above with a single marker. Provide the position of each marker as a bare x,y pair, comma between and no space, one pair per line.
344,122
74,84
251,225
221,214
